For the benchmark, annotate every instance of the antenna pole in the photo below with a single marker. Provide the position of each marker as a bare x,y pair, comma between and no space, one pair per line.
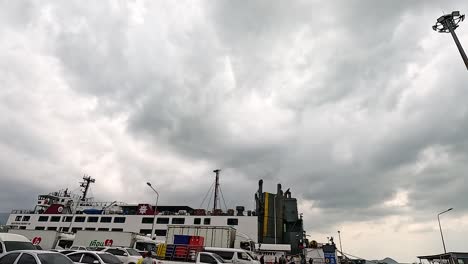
87,181
216,189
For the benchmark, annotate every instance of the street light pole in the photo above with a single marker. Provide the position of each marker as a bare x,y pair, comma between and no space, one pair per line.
341,247
447,24
155,208
440,227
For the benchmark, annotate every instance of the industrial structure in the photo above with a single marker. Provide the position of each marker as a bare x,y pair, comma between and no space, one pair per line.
278,219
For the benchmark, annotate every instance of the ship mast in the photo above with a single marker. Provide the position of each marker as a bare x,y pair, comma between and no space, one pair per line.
85,185
216,189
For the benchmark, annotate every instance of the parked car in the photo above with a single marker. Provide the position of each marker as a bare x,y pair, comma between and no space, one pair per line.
34,257
10,242
234,255
93,257
64,251
78,248
126,255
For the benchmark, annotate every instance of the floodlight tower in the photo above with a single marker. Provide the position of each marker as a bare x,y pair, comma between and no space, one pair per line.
448,23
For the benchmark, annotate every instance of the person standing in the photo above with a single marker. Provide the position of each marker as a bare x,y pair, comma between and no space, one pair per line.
262,260
148,259
311,261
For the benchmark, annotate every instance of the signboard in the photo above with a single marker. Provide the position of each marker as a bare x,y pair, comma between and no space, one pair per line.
36,241
330,258
106,243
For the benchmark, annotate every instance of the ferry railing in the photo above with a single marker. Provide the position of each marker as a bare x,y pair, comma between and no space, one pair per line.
22,211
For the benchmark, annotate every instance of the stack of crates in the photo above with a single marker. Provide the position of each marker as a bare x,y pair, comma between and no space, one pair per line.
170,250
195,245
184,248
197,241
161,251
181,243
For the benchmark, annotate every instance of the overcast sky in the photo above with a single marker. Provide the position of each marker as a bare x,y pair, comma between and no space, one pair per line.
358,106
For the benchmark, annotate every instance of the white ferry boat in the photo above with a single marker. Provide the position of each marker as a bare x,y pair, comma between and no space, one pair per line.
67,212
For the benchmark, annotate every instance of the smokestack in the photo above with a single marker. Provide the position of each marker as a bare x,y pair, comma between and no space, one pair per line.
260,187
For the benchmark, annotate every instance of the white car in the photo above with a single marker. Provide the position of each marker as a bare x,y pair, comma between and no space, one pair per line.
78,248
93,257
34,257
126,255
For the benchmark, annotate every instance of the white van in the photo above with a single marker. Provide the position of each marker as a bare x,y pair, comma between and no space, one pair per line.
10,242
234,255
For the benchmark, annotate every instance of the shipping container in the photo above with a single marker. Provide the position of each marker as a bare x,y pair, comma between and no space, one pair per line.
208,236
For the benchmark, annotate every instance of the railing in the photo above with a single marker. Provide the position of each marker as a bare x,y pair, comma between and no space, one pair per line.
22,211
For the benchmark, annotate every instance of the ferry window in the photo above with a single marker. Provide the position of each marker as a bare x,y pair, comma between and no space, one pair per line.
160,232
18,218
93,219
55,219
22,227
26,218
207,221
79,219
178,221
233,221
117,229
90,229
67,219
147,220
162,220
43,218
39,228
65,229
197,221
119,220
26,259
103,229
74,229
54,228
106,219
145,231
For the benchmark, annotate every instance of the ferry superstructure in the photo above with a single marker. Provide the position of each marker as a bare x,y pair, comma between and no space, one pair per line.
67,212
275,219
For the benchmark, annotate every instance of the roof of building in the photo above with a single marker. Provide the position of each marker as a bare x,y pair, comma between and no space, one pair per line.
458,255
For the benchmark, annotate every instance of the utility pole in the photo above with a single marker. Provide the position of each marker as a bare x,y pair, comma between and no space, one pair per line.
447,24
216,189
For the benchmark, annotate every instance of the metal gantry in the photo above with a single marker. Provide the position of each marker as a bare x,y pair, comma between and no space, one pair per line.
447,24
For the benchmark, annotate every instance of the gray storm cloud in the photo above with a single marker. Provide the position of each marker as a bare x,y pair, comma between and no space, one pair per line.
349,104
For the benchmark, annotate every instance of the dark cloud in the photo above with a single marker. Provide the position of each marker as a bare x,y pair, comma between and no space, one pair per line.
358,107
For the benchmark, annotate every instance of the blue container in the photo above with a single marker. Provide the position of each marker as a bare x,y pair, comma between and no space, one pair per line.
92,211
181,239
